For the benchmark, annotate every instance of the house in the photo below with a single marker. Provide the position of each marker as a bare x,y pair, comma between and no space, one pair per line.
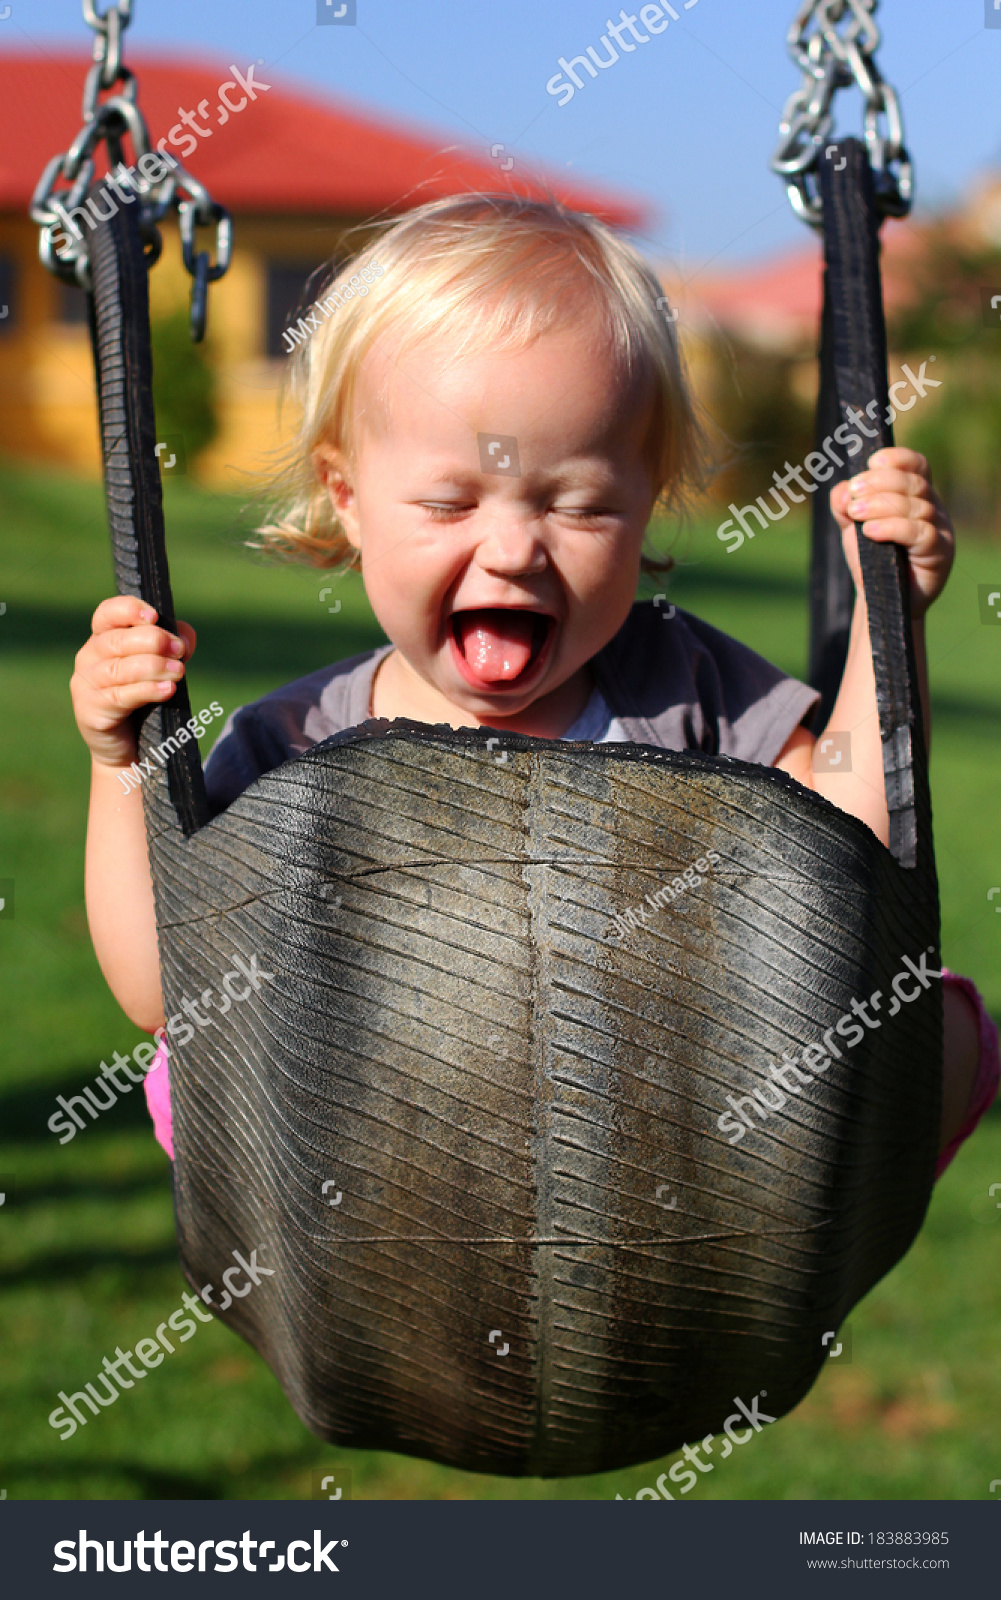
774,305
295,170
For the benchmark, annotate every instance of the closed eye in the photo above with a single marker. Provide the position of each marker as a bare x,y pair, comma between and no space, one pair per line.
444,510
449,510
585,513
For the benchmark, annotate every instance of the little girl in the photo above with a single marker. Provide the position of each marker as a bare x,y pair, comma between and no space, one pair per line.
485,433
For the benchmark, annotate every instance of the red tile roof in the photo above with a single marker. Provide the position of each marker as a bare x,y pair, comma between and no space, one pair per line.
290,151
777,302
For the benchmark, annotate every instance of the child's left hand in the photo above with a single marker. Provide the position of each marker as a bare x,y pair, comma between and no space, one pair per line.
895,502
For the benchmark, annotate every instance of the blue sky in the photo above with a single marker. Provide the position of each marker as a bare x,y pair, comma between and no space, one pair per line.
686,122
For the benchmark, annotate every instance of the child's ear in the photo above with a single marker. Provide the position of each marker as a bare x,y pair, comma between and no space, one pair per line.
333,470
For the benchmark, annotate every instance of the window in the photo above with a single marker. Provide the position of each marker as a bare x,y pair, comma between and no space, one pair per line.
8,306
287,297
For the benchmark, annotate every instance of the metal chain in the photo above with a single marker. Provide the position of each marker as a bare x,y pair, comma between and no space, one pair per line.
108,121
831,60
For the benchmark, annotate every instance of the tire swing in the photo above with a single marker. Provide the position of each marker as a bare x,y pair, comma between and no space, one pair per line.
502,1096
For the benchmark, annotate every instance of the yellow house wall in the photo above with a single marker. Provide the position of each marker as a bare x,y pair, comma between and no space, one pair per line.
48,406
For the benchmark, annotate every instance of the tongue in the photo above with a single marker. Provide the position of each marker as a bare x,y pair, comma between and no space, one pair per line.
497,645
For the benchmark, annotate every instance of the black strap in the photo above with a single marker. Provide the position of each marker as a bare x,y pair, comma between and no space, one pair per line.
120,335
856,358
832,592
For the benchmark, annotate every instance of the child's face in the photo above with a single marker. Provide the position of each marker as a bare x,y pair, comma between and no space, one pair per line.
497,589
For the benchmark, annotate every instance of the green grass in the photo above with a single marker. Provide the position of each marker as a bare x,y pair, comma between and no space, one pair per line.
87,1256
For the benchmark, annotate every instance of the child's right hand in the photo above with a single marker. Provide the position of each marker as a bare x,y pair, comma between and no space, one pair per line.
127,662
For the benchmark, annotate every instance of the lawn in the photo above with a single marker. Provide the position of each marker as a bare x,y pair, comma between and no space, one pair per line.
87,1256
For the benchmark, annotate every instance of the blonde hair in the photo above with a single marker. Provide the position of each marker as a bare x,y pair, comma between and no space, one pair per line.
496,272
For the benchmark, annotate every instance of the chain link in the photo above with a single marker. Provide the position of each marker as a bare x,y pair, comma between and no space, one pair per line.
831,60
107,122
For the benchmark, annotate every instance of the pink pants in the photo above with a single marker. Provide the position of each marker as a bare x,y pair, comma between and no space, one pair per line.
985,1085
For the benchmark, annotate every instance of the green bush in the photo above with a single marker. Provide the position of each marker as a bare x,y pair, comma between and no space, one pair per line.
185,390
754,402
960,439
944,316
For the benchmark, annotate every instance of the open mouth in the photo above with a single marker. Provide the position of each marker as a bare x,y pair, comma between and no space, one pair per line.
500,647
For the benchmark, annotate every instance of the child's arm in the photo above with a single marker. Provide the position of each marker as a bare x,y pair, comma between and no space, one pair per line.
126,663
895,501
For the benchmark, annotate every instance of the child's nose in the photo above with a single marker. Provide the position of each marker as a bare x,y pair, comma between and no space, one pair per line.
511,543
